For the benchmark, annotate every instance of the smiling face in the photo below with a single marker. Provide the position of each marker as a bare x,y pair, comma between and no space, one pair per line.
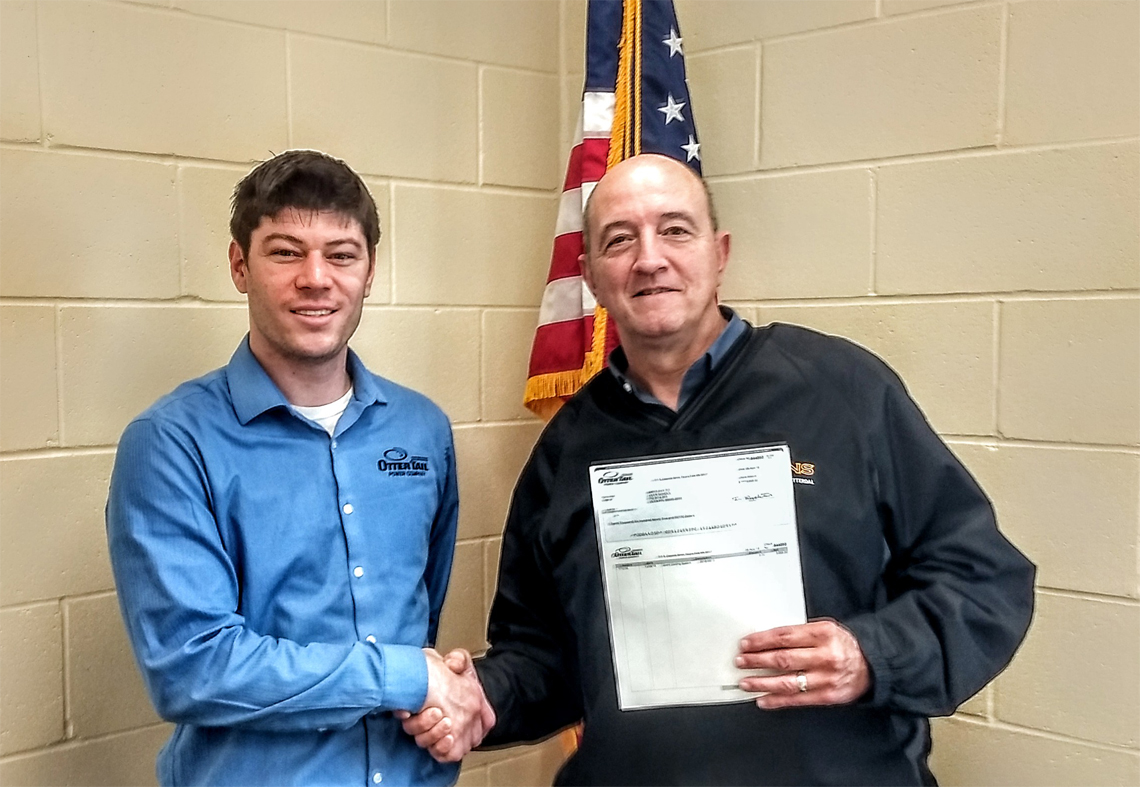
306,277
655,262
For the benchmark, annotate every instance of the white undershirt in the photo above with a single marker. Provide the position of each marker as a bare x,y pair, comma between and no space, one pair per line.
326,415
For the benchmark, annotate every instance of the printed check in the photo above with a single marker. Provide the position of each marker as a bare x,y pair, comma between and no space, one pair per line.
697,551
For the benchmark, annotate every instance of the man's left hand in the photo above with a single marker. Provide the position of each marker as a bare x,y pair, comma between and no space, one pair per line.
819,663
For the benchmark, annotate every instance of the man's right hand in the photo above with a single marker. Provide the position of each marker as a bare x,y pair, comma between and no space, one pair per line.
456,715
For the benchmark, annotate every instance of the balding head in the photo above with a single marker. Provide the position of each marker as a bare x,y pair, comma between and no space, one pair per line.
626,169
655,259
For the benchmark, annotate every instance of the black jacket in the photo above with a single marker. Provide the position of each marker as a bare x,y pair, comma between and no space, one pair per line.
897,541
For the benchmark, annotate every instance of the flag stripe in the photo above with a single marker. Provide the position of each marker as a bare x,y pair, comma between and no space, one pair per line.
565,299
557,346
597,114
564,260
587,163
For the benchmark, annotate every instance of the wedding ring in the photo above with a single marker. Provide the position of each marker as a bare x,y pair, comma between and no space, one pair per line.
801,681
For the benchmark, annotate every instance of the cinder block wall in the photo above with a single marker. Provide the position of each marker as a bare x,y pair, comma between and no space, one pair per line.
957,187
125,126
954,185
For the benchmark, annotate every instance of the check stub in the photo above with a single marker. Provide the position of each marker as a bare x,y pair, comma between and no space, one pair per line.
697,551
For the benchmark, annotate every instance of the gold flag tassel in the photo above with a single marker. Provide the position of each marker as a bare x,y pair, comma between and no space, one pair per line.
544,393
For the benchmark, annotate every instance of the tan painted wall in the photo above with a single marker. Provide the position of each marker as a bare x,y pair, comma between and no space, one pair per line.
955,187
124,127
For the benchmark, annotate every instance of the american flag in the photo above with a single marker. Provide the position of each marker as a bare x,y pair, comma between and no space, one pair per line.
635,100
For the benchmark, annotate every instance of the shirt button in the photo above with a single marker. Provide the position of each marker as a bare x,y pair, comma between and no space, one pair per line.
358,572
628,388
377,778
347,508
334,443
371,639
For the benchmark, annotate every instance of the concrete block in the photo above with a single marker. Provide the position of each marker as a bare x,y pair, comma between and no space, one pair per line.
537,766
118,360
520,125
1078,673
382,281
706,25
573,36
472,777
481,759
354,20
747,313
891,7
28,415
31,659
202,98
19,72
490,459
1070,370
1042,220
452,246
492,552
942,351
204,222
525,35
1073,512
800,236
969,754
463,623
507,336
109,762
105,691
978,705
571,108
435,352
1073,71
417,118
882,90
112,225
52,538
723,87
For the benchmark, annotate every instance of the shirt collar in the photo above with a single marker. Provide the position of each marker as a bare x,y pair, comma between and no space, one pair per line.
697,374
253,392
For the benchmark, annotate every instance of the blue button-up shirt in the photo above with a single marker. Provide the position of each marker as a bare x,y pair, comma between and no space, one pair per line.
696,375
278,583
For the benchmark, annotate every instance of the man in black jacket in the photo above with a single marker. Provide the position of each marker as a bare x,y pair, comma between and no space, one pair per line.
915,600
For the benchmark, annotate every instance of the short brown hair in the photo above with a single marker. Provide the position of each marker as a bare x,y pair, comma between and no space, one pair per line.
307,180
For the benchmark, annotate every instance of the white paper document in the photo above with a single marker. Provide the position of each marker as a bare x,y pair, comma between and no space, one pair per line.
697,550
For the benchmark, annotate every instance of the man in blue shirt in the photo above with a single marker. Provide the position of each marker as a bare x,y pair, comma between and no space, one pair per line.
281,529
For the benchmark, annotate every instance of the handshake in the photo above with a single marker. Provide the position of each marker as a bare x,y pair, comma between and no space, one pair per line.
456,715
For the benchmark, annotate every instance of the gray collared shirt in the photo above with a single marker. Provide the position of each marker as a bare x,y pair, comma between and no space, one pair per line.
697,374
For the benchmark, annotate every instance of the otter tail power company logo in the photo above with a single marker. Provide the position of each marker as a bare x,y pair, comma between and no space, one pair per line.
625,553
615,477
397,462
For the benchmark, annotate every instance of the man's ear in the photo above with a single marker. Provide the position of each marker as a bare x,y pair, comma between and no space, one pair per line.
723,248
584,266
238,267
371,272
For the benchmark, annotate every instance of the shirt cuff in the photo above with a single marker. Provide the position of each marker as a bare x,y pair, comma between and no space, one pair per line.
405,677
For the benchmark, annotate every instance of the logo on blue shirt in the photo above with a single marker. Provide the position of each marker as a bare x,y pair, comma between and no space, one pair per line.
397,462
